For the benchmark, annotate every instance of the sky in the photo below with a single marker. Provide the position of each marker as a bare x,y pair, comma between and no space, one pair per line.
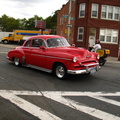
28,8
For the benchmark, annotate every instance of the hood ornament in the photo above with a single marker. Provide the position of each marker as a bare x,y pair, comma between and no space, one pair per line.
87,56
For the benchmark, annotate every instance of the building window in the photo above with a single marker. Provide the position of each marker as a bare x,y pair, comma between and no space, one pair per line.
82,10
110,12
117,13
80,33
104,11
94,11
109,36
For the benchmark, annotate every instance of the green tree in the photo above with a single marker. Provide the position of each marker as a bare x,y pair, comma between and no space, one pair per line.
9,23
30,23
51,22
22,23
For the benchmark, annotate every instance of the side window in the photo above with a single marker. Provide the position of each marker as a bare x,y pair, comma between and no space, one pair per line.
38,43
27,44
50,42
94,11
80,33
82,10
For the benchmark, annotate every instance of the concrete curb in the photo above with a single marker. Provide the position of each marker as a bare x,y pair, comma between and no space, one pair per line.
113,60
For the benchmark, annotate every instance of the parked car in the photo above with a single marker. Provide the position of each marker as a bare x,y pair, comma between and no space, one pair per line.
52,53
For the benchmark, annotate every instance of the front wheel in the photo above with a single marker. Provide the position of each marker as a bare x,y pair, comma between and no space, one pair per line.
60,71
5,41
17,61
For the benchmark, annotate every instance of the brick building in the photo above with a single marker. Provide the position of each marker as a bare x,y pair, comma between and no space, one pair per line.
84,21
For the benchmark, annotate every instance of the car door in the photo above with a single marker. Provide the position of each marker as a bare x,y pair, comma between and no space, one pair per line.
27,52
37,54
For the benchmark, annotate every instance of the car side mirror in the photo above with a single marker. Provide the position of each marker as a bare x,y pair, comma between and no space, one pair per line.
42,47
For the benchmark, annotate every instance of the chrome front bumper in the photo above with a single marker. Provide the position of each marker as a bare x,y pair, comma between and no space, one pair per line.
87,70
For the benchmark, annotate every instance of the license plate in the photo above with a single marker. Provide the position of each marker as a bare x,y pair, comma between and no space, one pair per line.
93,71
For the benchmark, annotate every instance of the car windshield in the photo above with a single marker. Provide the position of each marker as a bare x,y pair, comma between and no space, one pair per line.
57,42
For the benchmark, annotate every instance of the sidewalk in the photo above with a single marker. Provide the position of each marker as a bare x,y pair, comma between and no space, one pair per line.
113,59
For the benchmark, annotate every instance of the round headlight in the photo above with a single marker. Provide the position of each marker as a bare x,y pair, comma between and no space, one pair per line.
75,59
98,56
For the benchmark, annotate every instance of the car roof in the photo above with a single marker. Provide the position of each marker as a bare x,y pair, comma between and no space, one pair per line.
45,37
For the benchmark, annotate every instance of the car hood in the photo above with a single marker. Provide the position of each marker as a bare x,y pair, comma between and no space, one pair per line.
74,51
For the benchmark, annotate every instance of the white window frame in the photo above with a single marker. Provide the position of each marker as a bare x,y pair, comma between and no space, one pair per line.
105,11
93,10
116,13
82,9
80,33
113,12
108,33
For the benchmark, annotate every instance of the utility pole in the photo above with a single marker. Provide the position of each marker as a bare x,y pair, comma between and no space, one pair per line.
69,16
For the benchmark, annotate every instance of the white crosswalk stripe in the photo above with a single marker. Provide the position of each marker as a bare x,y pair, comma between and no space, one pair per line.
61,97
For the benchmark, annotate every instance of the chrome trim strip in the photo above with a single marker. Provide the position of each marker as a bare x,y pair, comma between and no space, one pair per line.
59,58
38,55
51,57
92,64
39,68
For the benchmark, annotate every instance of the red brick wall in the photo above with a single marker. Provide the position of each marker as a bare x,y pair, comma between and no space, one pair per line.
63,27
89,22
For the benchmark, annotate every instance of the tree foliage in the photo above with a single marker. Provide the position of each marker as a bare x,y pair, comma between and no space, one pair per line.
9,23
51,22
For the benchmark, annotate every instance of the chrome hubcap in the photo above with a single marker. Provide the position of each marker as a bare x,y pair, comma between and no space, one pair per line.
60,71
16,61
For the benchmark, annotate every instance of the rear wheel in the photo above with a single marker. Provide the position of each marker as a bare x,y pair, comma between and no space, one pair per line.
60,71
17,61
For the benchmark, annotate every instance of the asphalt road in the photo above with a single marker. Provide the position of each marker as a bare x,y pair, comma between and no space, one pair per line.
29,94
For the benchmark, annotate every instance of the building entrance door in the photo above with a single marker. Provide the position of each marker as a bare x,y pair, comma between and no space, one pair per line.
119,52
92,37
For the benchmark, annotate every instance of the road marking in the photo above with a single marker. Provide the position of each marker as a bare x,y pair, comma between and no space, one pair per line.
29,107
107,100
60,96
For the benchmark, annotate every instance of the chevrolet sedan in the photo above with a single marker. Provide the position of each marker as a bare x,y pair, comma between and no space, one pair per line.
53,54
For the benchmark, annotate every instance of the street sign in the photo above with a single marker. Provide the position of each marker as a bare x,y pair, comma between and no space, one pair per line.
72,18
40,24
65,16
69,25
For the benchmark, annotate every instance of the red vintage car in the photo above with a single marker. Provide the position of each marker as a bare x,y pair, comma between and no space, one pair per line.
52,53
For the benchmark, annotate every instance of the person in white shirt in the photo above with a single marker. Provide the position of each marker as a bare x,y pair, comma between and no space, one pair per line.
96,46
